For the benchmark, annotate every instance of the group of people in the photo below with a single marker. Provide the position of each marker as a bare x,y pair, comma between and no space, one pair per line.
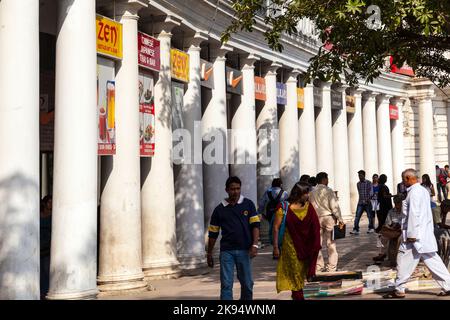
306,217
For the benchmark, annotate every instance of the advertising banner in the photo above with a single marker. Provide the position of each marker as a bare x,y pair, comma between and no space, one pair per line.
109,37
207,74
350,104
393,112
179,62
281,93
317,97
146,114
405,70
148,52
260,89
177,105
336,100
300,98
234,80
106,92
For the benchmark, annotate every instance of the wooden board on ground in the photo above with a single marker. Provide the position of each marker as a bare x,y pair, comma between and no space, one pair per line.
335,276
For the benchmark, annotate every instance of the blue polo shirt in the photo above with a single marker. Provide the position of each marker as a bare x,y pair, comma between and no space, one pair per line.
236,223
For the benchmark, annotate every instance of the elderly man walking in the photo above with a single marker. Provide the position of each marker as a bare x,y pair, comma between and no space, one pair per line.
418,241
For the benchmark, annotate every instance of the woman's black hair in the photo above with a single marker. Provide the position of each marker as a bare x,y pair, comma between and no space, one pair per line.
382,179
428,180
231,180
298,191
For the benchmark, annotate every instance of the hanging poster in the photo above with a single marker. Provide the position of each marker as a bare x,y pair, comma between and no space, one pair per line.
393,112
350,104
317,97
206,74
106,100
336,100
148,52
260,89
300,98
234,80
177,105
179,62
146,114
109,37
281,93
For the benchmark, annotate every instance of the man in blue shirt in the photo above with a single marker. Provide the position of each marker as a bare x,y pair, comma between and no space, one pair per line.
236,216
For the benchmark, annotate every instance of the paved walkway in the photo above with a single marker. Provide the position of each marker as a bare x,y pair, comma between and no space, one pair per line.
355,254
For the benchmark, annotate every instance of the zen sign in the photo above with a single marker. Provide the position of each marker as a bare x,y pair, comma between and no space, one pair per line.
109,37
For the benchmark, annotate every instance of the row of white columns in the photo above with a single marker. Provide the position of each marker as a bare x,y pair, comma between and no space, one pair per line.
157,229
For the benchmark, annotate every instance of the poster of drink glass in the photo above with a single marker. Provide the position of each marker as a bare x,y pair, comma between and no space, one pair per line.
106,92
146,113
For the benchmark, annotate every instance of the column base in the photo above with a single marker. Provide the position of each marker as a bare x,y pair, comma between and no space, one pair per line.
193,265
83,295
121,283
165,270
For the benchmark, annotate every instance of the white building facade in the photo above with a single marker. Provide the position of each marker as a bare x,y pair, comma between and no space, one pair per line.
132,189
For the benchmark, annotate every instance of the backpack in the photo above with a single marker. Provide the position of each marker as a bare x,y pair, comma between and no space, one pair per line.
442,178
284,207
271,206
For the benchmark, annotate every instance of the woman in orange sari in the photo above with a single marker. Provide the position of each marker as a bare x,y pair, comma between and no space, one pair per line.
300,244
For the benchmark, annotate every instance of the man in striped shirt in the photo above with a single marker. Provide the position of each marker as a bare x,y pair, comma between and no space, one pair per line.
365,192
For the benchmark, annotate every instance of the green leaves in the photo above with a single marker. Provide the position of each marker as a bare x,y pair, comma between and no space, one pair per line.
414,31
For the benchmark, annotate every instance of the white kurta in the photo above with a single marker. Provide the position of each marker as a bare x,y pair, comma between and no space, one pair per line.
417,219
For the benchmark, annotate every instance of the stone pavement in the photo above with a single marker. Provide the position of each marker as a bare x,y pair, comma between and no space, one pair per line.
355,254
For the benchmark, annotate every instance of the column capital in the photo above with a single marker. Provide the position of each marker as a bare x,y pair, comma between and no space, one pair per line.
250,60
197,39
218,54
357,92
370,95
324,85
399,101
166,25
273,67
128,10
382,97
293,74
341,87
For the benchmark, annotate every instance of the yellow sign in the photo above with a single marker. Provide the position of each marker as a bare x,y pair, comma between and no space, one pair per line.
300,98
179,65
109,37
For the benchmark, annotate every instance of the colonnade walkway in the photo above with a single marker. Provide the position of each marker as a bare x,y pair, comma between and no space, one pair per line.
355,254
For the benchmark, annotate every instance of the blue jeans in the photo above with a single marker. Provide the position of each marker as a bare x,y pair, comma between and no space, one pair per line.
240,258
359,211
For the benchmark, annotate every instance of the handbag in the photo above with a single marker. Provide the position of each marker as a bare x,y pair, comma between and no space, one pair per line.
390,233
338,233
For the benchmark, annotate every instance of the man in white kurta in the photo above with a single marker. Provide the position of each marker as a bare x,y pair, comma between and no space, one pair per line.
418,241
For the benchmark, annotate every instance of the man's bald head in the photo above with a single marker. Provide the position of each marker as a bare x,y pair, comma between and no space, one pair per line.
410,177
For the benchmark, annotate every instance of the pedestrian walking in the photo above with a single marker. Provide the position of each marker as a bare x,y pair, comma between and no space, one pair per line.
441,183
236,216
427,184
365,193
418,240
301,242
326,204
271,198
375,189
384,197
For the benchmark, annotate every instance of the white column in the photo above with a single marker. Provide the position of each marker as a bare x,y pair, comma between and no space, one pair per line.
398,157
19,149
120,260
289,156
355,149
189,181
369,120
73,263
426,136
307,133
158,192
243,128
324,135
384,140
214,133
268,166
341,165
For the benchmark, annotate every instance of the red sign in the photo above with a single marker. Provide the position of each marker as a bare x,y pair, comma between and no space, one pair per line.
148,52
260,89
393,112
405,70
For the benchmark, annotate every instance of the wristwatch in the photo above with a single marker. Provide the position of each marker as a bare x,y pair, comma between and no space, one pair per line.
256,246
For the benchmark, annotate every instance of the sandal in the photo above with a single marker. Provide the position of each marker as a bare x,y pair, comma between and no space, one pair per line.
443,293
394,295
